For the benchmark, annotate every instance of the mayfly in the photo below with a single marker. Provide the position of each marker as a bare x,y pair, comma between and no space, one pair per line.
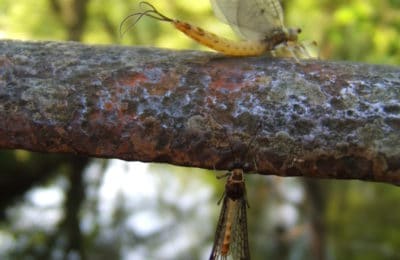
258,22
231,235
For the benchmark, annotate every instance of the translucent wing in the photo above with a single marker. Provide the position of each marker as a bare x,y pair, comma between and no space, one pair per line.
240,243
219,234
251,19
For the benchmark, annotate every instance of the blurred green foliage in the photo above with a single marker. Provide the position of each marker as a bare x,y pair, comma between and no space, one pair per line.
361,218
355,30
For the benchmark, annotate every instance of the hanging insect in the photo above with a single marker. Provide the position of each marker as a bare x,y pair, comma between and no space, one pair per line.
231,236
259,23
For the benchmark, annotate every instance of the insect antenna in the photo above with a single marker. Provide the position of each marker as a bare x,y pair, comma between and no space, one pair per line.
152,12
238,161
259,126
231,147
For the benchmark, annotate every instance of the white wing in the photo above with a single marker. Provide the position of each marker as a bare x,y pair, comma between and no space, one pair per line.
251,19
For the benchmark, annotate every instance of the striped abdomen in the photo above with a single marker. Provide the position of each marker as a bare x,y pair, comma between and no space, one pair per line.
230,218
221,44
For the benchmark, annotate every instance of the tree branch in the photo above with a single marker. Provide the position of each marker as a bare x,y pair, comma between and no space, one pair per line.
318,119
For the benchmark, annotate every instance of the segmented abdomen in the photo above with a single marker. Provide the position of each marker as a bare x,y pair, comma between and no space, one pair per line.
231,208
221,44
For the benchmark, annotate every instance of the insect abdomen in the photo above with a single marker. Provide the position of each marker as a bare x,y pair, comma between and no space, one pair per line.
230,218
220,44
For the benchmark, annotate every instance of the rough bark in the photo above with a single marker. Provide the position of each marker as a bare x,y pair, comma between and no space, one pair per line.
317,118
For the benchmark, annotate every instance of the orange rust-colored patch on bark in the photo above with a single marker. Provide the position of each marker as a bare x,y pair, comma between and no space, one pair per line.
233,82
168,81
108,106
135,79
224,83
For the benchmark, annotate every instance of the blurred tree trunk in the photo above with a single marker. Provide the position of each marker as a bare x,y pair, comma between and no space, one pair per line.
75,195
73,14
316,196
20,173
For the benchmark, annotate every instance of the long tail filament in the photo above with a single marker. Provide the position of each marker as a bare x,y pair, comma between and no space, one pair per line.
151,12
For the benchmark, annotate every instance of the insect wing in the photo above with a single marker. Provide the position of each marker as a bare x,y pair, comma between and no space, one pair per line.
226,11
220,232
240,243
251,19
234,211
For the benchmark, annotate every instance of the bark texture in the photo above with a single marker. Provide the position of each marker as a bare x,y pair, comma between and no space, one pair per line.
274,116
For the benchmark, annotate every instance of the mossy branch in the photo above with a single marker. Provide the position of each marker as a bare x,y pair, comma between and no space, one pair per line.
317,118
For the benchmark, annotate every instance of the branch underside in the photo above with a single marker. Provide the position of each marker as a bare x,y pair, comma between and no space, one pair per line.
309,118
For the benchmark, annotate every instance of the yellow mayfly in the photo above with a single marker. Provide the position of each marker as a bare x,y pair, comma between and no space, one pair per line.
258,22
